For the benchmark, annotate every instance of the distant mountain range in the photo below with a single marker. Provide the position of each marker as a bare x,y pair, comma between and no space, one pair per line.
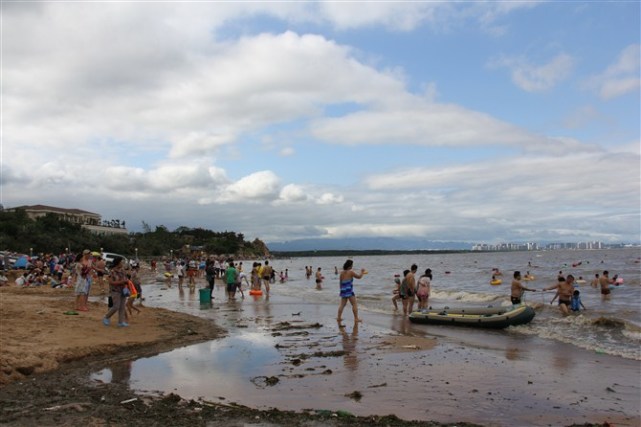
365,243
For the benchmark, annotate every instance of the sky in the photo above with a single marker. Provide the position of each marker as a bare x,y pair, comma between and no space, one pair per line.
481,122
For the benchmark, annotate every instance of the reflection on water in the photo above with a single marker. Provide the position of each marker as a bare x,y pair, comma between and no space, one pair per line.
119,373
349,347
464,364
198,370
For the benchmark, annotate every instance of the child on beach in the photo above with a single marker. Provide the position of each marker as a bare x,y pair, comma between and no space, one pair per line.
180,271
137,295
129,305
575,303
424,288
397,291
255,277
242,276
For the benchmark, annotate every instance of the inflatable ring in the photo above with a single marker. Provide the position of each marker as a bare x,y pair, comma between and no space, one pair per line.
496,282
255,292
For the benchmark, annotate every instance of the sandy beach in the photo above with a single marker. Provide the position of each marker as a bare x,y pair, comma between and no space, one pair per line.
296,366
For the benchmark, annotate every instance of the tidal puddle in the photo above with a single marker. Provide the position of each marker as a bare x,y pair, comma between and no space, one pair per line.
208,370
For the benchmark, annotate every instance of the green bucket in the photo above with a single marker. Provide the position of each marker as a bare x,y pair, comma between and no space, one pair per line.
205,295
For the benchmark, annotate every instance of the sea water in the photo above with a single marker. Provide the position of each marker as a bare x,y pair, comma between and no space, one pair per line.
611,326
235,368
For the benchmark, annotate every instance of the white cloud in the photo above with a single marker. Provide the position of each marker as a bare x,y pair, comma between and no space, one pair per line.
422,124
262,186
582,116
620,78
203,143
330,199
145,109
287,151
292,193
535,182
536,78
403,16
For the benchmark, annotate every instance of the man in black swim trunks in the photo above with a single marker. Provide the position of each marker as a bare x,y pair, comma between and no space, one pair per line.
319,278
409,287
604,283
266,273
518,289
565,289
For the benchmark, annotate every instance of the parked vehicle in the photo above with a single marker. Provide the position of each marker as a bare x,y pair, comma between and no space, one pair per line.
109,258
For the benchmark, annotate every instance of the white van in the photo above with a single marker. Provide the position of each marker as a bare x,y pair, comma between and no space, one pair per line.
109,258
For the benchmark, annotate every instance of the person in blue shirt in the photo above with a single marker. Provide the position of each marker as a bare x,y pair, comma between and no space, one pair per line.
575,303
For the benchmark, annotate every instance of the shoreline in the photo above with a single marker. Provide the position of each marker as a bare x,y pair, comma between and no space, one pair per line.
465,376
495,378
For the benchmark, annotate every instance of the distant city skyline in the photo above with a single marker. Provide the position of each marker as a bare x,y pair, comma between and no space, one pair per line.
396,244
449,121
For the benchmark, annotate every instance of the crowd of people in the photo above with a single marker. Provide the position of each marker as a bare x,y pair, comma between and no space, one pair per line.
232,273
80,271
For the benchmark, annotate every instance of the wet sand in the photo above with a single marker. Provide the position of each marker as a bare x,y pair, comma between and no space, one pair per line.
387,365
281,353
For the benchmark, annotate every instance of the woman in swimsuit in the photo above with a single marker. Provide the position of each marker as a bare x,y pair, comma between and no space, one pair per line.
347,289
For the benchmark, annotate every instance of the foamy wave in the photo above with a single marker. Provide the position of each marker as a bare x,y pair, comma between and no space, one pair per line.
586,333
466,296
635,336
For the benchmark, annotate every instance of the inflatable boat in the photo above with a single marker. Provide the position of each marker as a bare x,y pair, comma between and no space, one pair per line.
478,317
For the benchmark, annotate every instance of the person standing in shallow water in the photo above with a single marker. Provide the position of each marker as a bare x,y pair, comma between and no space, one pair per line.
117,282
408,290
517,289
346,280
424,289
604,283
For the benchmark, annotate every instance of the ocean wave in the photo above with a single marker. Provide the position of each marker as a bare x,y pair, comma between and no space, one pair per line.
608,322
466,296
602,335
632,335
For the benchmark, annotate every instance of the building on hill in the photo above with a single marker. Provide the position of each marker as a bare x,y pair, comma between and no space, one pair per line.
89,220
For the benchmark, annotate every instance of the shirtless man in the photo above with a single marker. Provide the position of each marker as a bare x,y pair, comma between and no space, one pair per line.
319,278
518,289
266,274
565,289
99,267
604,283
409,290
595,281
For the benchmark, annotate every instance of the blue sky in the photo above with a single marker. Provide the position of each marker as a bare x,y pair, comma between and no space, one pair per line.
468,121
